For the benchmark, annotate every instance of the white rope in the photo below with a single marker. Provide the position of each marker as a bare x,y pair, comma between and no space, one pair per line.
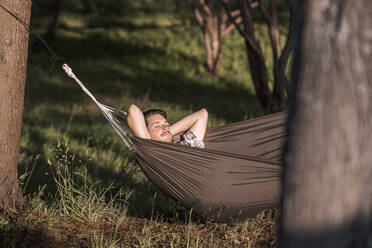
69,72
106,110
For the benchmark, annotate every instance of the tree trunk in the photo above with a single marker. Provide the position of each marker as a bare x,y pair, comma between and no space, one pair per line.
271,101
259,75
213,44
214,27
255,56
54,13
278,92
13,61
271,18
327,194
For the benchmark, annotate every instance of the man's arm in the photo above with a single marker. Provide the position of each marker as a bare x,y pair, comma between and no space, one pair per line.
195,122
136,122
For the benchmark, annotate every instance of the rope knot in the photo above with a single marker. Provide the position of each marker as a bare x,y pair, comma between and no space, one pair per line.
68,70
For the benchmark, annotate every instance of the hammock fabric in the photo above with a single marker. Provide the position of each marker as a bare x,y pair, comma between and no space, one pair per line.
236,176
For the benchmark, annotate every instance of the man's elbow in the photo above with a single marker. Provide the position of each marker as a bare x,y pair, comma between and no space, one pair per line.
133,109
132,113
204,113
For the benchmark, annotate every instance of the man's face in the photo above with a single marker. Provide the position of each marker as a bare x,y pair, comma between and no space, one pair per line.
158,128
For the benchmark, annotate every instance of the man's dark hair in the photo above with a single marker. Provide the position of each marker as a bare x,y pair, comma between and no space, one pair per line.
151,112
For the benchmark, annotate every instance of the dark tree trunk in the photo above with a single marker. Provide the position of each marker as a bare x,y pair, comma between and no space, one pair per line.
271,18
255,56
278,98
259,75
13,61
54,13
327,194
271,101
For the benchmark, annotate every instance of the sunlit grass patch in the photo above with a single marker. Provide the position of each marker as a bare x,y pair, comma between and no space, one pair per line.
87,201
72,21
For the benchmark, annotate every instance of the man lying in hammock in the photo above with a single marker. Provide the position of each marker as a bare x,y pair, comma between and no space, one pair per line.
153,124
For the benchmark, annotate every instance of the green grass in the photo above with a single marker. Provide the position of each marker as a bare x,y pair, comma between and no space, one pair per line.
82,183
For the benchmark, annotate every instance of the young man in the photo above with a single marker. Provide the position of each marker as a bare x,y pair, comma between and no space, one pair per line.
153,124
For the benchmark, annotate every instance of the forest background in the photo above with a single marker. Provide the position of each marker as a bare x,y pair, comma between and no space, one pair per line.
83,185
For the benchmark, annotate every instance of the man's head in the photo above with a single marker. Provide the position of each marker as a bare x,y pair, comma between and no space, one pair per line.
157,124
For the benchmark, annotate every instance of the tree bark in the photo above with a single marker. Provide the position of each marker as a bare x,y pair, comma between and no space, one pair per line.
13,61
327,193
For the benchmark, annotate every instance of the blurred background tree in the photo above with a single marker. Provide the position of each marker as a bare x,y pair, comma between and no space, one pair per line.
270,100
54,12
214,23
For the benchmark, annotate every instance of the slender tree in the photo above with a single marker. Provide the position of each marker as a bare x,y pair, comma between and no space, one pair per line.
13,61
215,25
50,34
327,194
270,100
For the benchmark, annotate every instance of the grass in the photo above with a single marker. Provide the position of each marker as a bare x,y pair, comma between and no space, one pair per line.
83,186
87,214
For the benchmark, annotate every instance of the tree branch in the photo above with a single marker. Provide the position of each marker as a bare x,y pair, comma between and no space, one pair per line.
255,4
198,16
237,26
231,26
205,7
235,13
288,47
237,20
264,12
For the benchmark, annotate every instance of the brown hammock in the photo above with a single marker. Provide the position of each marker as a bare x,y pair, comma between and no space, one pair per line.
236,176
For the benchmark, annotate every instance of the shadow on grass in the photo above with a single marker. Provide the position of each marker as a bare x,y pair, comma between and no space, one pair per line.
17,234
24,237
112,69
